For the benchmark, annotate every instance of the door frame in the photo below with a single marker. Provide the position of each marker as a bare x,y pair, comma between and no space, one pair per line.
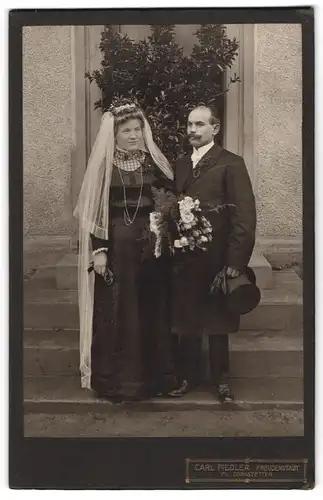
240,112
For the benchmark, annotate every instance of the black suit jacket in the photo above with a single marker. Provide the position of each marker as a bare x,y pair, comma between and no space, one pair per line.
223,178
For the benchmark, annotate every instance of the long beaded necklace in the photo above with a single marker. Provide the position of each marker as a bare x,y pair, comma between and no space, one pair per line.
126,216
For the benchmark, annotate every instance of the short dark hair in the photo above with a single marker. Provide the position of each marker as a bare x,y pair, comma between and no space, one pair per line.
215,115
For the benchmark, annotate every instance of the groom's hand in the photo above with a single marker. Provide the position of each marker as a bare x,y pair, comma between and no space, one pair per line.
232,273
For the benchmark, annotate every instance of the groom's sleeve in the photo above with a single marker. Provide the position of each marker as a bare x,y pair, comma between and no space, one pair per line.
242,216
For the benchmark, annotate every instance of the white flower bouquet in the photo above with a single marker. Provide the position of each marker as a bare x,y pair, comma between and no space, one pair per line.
178,224
194,229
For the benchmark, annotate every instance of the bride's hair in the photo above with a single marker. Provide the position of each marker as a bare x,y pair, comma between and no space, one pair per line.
124,109
127,115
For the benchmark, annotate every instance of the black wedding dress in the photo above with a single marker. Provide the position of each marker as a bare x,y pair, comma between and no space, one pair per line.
131,353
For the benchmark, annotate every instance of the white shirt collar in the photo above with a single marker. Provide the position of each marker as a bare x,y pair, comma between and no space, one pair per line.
200,152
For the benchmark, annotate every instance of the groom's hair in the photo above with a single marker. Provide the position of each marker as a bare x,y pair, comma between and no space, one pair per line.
215,115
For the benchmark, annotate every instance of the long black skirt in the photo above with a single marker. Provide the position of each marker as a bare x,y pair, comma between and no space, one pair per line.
131,350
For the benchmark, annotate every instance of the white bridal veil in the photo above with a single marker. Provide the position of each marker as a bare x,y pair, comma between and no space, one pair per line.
92,211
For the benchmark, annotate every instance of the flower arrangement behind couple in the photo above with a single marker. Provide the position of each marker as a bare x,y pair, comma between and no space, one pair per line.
125,338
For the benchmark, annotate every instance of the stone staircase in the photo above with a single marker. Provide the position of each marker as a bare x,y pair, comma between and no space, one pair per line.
266,355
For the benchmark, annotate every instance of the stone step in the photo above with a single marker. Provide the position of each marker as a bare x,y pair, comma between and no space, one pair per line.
280,308
281,251
248,340
263,270
66,271
59,395
252,354
204,423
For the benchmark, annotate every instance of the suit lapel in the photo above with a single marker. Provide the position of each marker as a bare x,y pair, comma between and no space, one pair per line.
190,176
183,173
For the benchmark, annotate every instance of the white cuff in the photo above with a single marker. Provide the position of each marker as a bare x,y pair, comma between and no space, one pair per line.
99,250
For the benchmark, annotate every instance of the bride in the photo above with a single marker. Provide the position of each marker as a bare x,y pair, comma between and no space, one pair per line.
125,338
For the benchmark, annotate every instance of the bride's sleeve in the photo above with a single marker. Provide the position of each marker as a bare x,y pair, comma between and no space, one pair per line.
162,182
98,243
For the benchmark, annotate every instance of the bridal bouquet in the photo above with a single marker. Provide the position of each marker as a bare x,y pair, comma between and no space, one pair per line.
194,230
178,224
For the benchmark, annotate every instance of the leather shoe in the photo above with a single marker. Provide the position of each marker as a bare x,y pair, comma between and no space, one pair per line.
224,393
183,389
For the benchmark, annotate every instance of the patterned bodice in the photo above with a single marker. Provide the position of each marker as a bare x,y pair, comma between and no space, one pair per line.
129,182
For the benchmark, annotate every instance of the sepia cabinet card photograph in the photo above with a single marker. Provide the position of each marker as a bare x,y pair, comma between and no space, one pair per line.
161,215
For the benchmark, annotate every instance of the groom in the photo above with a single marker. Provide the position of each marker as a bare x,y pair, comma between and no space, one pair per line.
216,177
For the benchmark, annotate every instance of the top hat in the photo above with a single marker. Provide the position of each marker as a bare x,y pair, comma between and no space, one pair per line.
242,293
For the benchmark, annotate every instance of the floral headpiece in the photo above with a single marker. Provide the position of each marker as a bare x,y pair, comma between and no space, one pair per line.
121,106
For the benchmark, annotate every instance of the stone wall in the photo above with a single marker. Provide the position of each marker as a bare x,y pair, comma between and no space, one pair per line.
47,129
278,128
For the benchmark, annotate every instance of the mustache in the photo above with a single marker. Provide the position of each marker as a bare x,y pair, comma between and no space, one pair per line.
194,136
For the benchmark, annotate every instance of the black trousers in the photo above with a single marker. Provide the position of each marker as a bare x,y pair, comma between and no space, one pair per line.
189,357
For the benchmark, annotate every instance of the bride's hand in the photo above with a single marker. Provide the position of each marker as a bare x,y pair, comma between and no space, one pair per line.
100,261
